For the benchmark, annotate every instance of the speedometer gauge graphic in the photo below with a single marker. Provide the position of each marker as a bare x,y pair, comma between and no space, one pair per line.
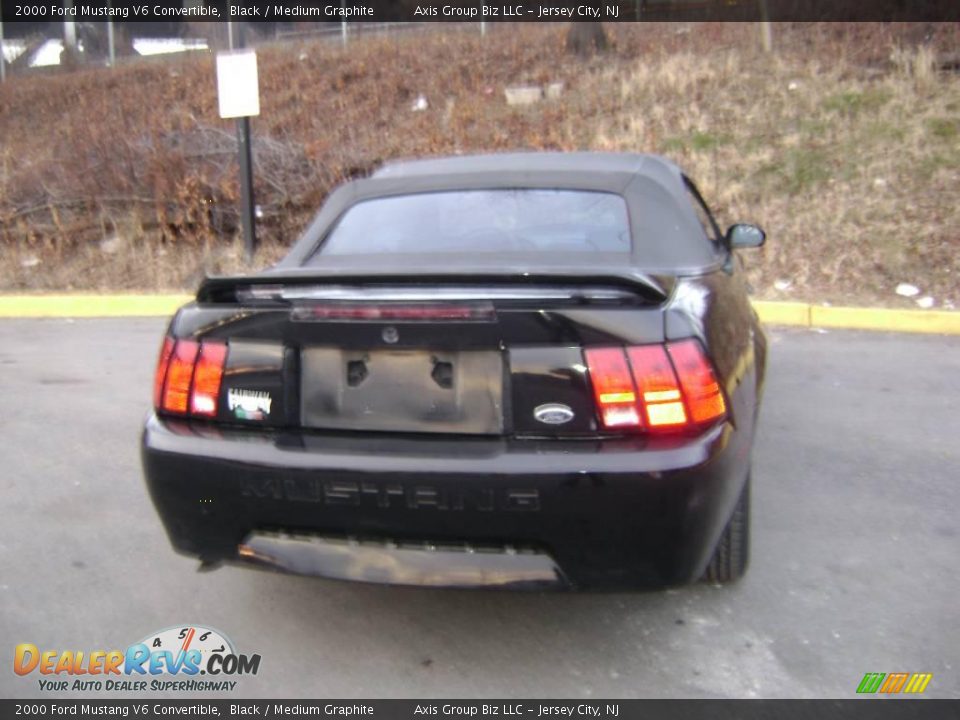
183,638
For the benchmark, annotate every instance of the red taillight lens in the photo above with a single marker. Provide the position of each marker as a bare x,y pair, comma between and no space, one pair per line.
176,392
206,379
161,374
665,388
188,377
613,389
699,384
657,383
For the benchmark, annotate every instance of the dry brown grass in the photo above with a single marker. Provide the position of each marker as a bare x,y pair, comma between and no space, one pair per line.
854,172
844,144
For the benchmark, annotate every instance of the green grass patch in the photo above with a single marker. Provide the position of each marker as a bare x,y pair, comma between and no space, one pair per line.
701,141
798,170
673,144
851,104
931,164
883,131
697,141
944,128
812,127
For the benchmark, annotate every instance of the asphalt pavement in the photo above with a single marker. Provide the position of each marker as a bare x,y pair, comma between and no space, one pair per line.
855,548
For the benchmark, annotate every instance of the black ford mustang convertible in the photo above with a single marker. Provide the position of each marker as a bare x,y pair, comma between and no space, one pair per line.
527,370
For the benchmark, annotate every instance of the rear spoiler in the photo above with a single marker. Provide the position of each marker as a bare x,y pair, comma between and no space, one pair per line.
285,287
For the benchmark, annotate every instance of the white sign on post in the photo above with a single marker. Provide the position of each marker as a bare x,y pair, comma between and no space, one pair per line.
238,87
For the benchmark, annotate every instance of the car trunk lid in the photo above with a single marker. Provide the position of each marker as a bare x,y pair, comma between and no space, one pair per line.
397,354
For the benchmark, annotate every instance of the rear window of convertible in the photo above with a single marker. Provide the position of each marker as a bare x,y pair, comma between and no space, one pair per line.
484,221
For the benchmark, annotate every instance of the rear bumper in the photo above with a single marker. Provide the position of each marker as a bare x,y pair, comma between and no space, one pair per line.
439,511
424,564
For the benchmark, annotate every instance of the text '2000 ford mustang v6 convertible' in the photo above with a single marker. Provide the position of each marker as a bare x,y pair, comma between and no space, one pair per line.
526,370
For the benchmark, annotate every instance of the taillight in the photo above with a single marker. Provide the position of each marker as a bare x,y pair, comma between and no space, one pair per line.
161,374
658,387
176,392
700,387
613,388
659,390
188,377
206,379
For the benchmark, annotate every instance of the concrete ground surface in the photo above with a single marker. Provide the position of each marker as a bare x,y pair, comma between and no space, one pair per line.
854,570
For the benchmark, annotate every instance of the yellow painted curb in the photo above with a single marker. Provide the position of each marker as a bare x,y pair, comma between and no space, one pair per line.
774,313
783,313
891,320
37,306
944,322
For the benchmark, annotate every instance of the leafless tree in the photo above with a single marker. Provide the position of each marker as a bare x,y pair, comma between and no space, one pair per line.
585,38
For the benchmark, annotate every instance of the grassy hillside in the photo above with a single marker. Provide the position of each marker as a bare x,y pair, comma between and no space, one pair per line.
844,144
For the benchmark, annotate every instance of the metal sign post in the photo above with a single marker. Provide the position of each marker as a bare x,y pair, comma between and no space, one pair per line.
111,44
238,91
69,29
246,187
3,59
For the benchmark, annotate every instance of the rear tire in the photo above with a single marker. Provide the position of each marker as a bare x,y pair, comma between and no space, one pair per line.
732,555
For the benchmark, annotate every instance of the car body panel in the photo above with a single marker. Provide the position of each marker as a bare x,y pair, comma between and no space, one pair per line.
610,514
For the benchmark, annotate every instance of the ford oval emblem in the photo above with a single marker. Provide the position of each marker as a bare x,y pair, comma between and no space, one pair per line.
553,413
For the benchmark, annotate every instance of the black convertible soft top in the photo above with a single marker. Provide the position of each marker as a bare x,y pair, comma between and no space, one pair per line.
667,236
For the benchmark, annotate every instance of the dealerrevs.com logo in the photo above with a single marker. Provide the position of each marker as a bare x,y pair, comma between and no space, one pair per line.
180,658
